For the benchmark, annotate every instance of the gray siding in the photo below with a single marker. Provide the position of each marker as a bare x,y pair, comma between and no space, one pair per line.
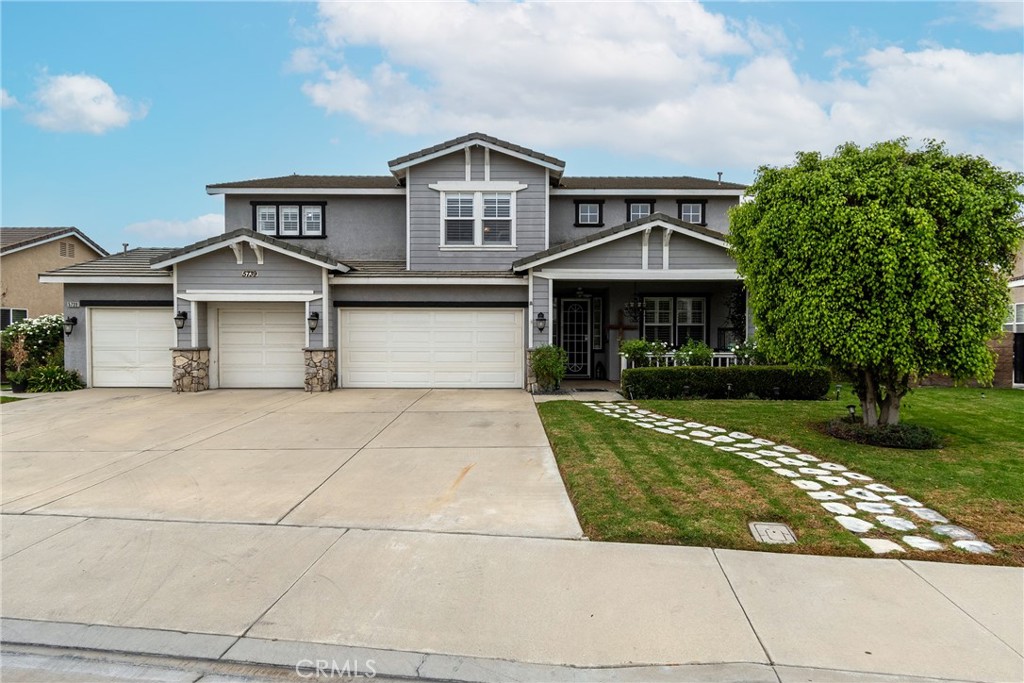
360,228
541,288
687,252
76,355
623,253
386,294
425,213
563,213
219,270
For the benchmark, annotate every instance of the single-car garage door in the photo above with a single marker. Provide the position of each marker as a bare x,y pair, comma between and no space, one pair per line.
261,346
131,347
431,347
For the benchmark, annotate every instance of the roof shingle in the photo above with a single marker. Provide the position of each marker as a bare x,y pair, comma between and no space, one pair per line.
132,263
497,142
19,238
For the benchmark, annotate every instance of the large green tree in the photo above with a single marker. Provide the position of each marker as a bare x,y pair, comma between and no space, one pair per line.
885,263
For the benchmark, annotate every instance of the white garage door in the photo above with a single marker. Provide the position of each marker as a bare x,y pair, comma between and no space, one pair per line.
131,347
431,347
261,346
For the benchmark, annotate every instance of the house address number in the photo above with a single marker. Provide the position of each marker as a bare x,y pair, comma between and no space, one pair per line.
249,273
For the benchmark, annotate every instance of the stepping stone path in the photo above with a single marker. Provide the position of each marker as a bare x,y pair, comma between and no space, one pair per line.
878,514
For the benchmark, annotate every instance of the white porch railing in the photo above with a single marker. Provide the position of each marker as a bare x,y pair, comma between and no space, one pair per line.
720,359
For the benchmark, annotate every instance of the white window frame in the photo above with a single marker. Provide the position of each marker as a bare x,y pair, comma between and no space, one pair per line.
685,315
261,218
687,207
654,304
304,216
597,214
633,203
299,227
290,220
478,218
10,314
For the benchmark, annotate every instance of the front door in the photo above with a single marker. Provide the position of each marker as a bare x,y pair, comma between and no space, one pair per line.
575,336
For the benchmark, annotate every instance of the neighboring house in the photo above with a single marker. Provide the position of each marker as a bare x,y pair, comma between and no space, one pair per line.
27,252
1015,325
442,274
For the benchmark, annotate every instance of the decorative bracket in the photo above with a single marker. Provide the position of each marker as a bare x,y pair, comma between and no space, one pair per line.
258,250
237,248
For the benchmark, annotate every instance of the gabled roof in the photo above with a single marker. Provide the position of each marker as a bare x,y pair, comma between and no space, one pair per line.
311,182
246,235
133,265
644,183
403,162
610,234
16,239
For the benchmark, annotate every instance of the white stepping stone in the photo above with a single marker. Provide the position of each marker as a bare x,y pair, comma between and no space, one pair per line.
880,546
876,508
856,476
880,488
768,454
786,449
655,416
628,419
765,461
922,543
740,435
764,442
748,456
839,508
700,433
663,423
897,523
693,425
863,494
705,442
683,436
663,430
807,485
786,473
746,444
723,439
642,411
716,430
728,449
929,515
857,526
806,457
645,425
833,481
833,466
622,412
823,495
792,462
812,471
905,501
673,420
975,547
955,532
677,428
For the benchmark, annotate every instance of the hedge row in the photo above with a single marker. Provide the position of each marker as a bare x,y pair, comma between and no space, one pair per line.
737,381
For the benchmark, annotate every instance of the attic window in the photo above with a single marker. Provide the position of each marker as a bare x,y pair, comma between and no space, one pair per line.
589,214
693,212
639,208
67,249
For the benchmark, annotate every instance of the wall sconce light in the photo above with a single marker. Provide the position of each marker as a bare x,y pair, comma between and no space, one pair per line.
852,410
313,320
69,325
542,322
179,320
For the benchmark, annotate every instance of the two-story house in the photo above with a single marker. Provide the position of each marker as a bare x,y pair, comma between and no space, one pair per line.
444,273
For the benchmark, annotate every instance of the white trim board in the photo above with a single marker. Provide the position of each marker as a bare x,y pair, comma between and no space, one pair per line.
105,279
262,296
595,274
242,238
472,143
419,281
478,186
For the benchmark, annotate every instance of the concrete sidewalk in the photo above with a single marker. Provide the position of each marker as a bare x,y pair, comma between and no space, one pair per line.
467,607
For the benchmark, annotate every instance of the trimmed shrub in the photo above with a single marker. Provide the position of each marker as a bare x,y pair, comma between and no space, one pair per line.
907,436
792,384
694,352
548,364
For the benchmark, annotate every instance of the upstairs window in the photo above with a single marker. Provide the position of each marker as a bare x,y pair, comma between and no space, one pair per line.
638,208
481,219
289,220
692,212
589,214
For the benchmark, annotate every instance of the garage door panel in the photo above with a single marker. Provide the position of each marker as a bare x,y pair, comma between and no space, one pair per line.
431,347
261,346
130,347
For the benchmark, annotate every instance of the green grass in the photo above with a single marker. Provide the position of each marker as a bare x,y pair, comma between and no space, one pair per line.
635,485
8,399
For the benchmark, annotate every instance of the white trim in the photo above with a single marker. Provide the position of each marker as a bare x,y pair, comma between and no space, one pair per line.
595,274
477,247
64,235
325,290
529,310
564,191
264,191
1016,283
469,143
257,248
547,208
105,279
487,164
645,249
418,281
551,311
469,163
243,238
408,236
478,186
665,237
193,313
620,235
248,297
249,291
237,248
306,326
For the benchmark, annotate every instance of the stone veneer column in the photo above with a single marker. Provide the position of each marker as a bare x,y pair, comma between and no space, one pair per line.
191,369
531,378
321,369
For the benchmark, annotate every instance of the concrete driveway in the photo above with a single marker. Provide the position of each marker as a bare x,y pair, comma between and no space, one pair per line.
423,460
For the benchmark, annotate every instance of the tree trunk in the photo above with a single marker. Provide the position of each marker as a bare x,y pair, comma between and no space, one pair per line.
891,414
869,400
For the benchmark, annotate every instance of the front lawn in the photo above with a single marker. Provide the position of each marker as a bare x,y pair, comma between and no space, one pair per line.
635,485
8,399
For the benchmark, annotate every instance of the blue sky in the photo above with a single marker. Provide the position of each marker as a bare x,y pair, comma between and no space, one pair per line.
116,115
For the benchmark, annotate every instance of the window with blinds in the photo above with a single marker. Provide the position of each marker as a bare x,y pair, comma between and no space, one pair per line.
478,218
690,319
658,319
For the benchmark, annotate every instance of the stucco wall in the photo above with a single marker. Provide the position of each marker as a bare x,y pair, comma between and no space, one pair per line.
19,276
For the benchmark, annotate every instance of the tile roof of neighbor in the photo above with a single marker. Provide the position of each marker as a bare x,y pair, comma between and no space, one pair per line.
18,238
607,232
133,263
314,182
313,254
497,142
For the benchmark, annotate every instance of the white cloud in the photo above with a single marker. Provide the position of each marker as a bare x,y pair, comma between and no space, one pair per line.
7,100
1000,15
169,232
81,103
672,79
